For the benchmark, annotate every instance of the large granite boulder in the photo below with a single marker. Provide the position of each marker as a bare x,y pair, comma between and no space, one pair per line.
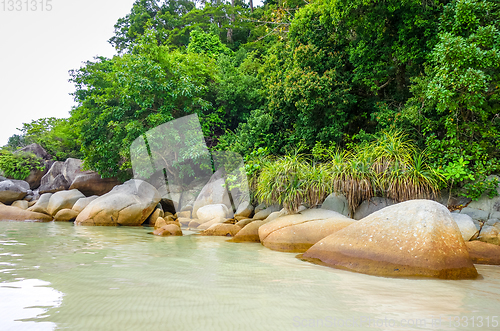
483,253
368,207
9,213
209,212
36,149
91,183
128,204
69,175
298,232
412,238
41,204
54,179
35,176
213,193
63,200
12,190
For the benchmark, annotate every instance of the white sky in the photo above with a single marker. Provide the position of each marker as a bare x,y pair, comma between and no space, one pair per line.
37,48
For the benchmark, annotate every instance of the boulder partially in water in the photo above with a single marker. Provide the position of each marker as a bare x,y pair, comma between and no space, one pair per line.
249,233
168,230
65,215
412,238
221,229
128,204
483,253
9,213
298,232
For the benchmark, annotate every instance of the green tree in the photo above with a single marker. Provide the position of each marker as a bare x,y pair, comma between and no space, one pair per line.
456,102
121,98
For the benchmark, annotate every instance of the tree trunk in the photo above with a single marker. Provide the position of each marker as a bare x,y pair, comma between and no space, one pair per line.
230,30
251,5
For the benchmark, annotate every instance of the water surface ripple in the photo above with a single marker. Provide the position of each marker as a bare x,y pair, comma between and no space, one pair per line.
58,276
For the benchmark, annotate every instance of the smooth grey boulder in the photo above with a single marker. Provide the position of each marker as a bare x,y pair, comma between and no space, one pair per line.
128,204
54,180
36,149
93,184
41,204
209,212
69,175
63,200
263,214
81,203
476,214
368,207
338,203
466,225
245,209
214,192
12,190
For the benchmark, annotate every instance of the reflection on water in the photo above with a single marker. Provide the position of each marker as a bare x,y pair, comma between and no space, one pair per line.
54,275
25,301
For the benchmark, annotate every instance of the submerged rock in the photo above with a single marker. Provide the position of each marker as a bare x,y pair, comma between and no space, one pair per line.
128,204
168,230
298,232
412,238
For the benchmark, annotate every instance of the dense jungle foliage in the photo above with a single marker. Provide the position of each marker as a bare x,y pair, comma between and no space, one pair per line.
291,80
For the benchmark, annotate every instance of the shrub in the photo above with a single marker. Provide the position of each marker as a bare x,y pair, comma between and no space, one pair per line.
19,165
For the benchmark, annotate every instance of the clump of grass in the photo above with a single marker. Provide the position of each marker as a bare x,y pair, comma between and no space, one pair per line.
390,166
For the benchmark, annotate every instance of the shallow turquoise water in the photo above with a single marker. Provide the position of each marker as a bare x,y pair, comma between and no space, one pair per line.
58,276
